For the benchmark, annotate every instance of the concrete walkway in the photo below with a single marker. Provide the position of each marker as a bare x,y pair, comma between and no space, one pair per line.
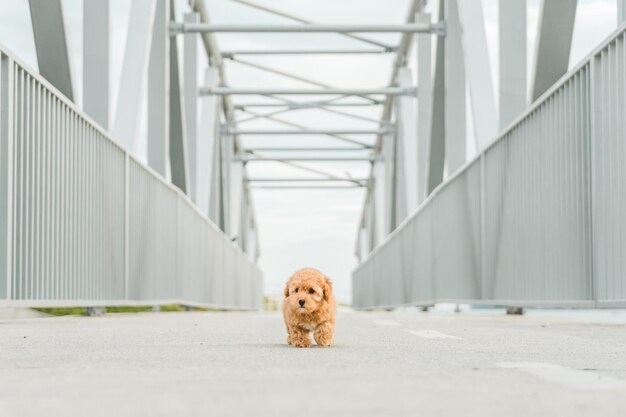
384,364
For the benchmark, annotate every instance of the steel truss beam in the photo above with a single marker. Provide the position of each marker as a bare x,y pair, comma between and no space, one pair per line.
178,28
228,91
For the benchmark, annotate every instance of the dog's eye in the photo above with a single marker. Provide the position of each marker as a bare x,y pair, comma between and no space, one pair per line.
296,290
311,291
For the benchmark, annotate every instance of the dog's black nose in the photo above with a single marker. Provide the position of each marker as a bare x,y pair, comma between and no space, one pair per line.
301,303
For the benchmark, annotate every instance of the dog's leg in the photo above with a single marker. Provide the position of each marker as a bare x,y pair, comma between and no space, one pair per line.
299,337
324,334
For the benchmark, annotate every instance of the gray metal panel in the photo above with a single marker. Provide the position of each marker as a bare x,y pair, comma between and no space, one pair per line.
609,170
96,51
512,29
51,44
553,44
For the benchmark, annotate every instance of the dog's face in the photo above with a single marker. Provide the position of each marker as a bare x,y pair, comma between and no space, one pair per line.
307,290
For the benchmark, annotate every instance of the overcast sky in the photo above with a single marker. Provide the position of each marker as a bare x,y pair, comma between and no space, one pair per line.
300,227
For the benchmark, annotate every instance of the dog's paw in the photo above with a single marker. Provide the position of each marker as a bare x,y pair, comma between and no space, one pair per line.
303,343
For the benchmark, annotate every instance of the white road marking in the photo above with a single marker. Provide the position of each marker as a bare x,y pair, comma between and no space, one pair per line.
387,323
572,378
431,334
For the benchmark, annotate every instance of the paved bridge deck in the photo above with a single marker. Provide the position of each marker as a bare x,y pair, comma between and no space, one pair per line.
237,364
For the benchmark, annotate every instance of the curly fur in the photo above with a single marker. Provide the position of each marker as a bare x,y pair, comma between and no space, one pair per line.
317,313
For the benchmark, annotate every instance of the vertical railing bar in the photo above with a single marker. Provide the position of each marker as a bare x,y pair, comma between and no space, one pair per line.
45,207
53,209
28,193
19,253
126,224
9,130
36,172
73,220
63,206
619,155
592,85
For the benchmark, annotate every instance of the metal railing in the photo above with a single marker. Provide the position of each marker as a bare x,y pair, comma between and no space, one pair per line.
537,219
82,222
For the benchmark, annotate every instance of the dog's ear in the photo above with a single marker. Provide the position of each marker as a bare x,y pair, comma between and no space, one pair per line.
286,289
328,288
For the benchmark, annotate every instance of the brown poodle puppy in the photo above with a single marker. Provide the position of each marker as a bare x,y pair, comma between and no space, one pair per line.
309,306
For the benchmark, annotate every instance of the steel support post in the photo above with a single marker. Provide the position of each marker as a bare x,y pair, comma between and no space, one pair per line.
478,68
6,176
178,137
235,192
553,45
407,135
379,201
512,51
134,70
159,92
206,143
455,90
96,67
390,155
424,107
51,44
216,194
621,11
190,80
438,116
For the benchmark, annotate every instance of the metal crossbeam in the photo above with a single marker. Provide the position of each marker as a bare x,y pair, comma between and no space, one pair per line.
231,54
300,19
291,179
306,158
243,106
307,132
178,28
302,127
321,149
228,91
323,187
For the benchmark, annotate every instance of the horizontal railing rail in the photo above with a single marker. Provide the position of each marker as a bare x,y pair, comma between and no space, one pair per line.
84,223
536,219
